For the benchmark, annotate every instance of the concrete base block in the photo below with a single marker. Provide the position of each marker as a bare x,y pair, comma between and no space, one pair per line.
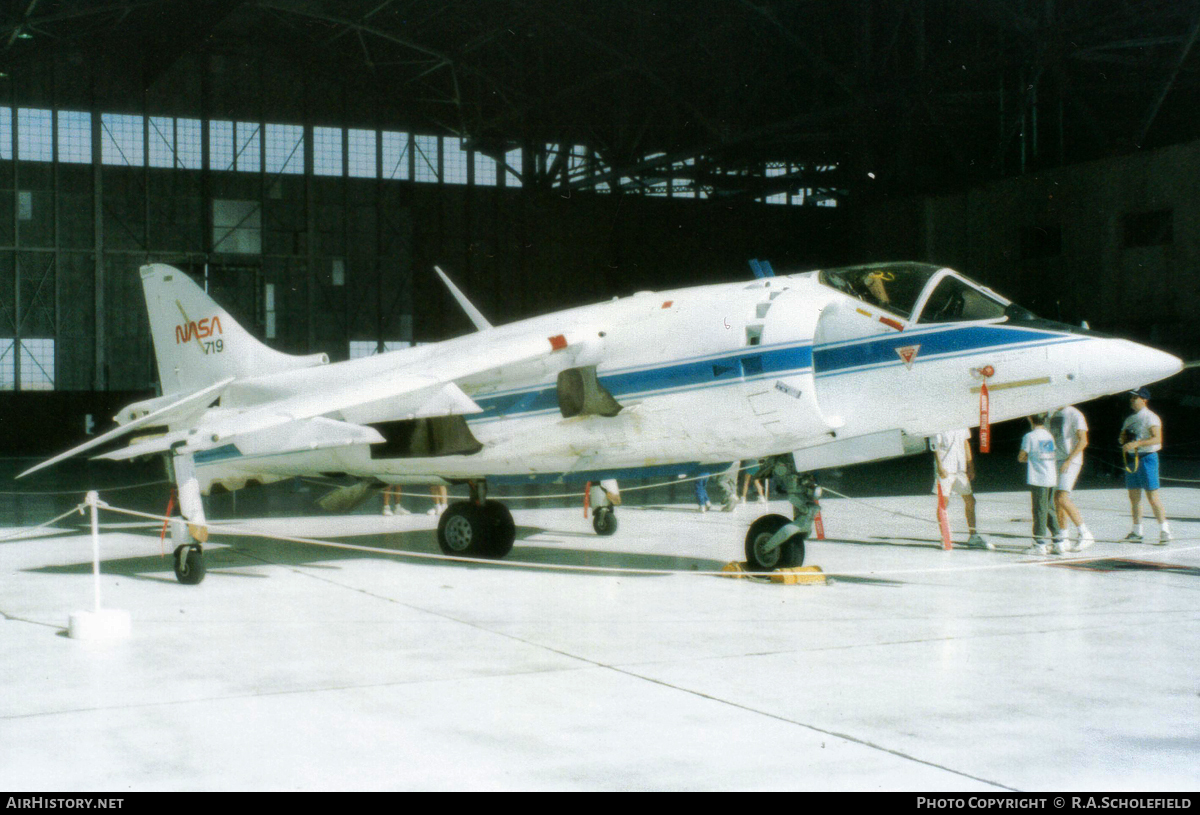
106,624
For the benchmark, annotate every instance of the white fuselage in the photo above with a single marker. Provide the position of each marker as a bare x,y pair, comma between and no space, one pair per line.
704,375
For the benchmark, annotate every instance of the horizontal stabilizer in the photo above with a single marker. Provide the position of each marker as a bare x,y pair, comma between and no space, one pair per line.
317,433
178,410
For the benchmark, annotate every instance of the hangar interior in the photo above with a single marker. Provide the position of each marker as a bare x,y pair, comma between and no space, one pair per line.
310,161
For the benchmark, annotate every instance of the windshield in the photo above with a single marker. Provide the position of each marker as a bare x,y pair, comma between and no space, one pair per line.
955,300
895,287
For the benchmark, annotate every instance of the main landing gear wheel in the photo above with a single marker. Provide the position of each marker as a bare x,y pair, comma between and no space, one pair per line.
501,530
189,564
787,555
604,521
467,529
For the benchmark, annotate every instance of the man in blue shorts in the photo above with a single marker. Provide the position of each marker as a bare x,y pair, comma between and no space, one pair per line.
1141,439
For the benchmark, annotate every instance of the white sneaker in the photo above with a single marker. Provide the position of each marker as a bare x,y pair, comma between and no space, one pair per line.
1086,541
1038,549
762,499
977,540
387,510
1164,537
704,508
401,510
1133,537
1059,547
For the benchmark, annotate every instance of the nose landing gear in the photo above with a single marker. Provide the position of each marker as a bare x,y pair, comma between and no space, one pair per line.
774,542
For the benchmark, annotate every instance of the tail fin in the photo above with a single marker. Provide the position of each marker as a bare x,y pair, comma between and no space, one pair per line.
197,343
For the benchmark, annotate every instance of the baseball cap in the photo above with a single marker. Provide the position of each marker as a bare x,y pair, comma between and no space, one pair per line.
1144,393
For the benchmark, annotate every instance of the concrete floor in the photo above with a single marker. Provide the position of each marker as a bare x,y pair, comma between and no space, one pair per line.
296,668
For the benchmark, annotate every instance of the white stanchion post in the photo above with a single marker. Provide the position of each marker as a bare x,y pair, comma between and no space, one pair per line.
99,623
91,500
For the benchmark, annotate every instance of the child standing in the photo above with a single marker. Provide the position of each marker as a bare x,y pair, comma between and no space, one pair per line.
1037,453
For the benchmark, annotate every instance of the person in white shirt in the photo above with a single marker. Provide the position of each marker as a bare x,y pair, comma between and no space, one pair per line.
1070,431
1037,453
955,470
1141,439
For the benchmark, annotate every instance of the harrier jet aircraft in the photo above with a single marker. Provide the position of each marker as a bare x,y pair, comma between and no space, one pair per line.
811,370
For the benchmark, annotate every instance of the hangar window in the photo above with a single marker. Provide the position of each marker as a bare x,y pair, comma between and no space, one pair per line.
74,137
454,162
237,226
249,147
35,140
220,145
425,158
189,153
513,168
485,170
773,170
285,149
360,149
579,161
327,150
395,155
5,133
122,140
36,361
161,149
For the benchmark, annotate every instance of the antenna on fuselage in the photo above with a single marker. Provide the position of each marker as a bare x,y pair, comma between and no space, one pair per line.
473,313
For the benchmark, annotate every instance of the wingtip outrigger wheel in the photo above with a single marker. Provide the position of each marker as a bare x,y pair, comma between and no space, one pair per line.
189,564
604,521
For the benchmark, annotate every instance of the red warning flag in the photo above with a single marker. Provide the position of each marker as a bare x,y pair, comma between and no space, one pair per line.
587,498
985,428
819,527
943,520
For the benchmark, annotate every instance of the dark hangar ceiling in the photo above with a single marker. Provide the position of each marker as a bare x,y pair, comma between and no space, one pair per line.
861,96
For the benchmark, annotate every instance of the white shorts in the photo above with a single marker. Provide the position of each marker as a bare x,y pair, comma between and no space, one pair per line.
955,482
1066,480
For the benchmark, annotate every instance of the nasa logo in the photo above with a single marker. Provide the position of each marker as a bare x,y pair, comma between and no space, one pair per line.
198,330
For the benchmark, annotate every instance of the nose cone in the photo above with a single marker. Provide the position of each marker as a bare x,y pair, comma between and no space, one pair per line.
1113,365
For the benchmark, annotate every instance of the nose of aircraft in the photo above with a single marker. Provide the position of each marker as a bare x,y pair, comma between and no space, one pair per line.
1114,365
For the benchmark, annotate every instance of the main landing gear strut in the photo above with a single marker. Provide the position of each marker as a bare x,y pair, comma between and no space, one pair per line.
773,541
477,527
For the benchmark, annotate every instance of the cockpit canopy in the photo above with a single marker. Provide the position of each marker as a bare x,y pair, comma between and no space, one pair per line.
921,292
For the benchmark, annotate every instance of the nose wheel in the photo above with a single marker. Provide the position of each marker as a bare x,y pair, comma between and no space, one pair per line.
774,541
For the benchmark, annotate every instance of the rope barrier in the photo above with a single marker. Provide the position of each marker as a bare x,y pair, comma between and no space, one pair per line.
88,489
231,528
25,530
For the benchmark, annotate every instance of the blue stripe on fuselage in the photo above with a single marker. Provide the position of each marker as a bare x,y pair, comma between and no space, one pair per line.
749,362
935,344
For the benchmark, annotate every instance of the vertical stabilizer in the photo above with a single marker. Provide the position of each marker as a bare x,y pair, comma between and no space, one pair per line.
197,343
